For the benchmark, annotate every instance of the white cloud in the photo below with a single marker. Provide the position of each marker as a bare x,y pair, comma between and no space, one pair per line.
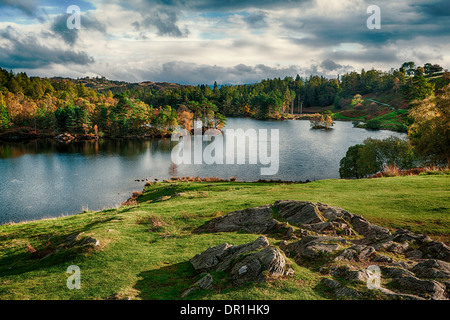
297,38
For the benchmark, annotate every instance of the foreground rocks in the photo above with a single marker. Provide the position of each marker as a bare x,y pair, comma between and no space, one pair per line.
340,244
219,258
254,261
299,212
253,220
316,246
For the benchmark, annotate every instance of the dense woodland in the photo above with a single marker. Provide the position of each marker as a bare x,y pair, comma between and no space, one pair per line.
63,105
100,107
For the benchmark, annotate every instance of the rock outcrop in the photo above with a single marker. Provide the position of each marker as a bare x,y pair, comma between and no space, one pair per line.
425,288
298,212
220,257
253,220
413,265
252,267
254,261
432,268
205,283
316,246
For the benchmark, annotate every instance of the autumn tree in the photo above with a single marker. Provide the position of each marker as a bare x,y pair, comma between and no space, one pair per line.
185,118
319,121
430,131
396,84
4,117
357,99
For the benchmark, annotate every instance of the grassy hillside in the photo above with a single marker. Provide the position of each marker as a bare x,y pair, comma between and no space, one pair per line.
389,108
145,249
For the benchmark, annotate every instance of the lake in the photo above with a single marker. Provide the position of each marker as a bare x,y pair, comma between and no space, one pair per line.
44,178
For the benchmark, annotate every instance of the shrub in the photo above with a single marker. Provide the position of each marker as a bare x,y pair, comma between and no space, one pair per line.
391,171
390,154
320,122
156,223
401,127
373,124
349,165
421,171
357,99
356,123
30,249
137,194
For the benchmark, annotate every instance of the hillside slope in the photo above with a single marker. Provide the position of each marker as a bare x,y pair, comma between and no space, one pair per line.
144,250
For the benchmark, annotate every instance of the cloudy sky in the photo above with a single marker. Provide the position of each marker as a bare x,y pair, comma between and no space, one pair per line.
228,41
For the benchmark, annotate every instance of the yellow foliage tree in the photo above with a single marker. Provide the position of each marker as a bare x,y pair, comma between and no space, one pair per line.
430,132
185,118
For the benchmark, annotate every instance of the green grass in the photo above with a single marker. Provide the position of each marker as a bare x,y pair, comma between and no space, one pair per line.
339,116
390,121
394,120
140,260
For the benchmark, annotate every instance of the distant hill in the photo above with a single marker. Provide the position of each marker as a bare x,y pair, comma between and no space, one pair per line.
101,84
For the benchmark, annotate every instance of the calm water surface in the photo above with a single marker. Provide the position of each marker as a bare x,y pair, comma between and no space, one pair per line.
41,179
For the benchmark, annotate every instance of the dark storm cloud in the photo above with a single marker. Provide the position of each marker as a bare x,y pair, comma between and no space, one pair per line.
192,73
159,16
369,55
164,14
324,32
27,6
70,36
440,8
242,68
257,20
227,5
25,52
399,22
330,65
165,20
404,23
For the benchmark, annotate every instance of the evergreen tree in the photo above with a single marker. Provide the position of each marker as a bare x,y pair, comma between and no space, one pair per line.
4,117
418,88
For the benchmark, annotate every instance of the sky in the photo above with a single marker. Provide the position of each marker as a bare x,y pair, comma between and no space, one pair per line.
229,41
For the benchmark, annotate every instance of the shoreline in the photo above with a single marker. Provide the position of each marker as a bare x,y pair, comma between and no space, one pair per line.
209,183
131,201
23,134
18,135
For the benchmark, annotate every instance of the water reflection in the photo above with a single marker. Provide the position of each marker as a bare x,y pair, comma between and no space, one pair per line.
87,148
46,178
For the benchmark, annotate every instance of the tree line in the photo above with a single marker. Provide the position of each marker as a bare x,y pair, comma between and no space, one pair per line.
63,105
271,98
428,141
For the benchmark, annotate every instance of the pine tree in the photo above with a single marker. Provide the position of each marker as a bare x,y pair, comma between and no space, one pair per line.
4,117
